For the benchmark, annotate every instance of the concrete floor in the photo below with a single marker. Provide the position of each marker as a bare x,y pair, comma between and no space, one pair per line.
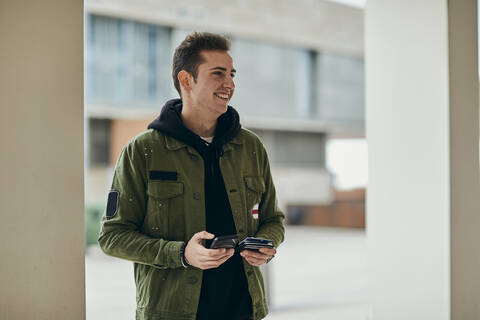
318,273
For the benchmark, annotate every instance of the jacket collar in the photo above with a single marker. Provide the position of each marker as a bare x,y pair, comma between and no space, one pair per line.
235,141
170,123
174,144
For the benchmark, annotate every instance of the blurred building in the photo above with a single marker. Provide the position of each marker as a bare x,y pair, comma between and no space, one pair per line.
300,80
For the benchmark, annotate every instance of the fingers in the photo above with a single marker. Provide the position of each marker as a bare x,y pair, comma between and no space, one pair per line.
216,263
255,254
202,235
255,262
268,251
215,254
218,253
210,262
258,258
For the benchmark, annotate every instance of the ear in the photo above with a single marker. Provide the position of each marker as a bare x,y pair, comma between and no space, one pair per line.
185,80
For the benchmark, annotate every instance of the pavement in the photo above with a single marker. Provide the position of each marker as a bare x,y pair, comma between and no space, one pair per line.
317,273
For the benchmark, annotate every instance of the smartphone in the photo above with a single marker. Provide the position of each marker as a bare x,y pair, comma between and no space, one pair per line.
228,242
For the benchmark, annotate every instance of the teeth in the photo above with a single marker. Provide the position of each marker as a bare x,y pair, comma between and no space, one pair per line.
223,96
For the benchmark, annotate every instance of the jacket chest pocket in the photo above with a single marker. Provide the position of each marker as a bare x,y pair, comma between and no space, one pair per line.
255,188
164,218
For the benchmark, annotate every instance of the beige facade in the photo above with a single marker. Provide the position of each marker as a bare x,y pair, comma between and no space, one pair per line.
42,239
423,135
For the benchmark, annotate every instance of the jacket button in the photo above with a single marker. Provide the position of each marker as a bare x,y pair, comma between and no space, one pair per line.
192,280
196,196
194,157
249,273
240,230
172,264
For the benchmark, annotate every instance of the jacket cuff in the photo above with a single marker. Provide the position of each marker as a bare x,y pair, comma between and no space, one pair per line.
173,259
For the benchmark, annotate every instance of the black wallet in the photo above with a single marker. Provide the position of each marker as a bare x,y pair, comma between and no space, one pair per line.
249,243
254,244
229,241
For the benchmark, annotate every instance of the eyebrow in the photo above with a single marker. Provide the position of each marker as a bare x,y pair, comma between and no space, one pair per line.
223,69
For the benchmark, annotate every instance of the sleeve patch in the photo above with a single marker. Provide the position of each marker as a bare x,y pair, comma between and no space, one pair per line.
112,204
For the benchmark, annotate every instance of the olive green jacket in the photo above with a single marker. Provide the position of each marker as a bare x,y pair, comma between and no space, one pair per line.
153,217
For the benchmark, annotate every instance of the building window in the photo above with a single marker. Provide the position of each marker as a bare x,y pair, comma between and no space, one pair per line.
272,80
99,142
128,63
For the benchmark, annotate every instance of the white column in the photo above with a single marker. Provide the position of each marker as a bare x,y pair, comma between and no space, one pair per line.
42,261
423,200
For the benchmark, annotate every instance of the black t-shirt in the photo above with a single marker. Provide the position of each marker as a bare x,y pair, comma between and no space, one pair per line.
224,293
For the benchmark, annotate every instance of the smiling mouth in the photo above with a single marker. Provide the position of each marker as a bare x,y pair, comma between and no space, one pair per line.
222,96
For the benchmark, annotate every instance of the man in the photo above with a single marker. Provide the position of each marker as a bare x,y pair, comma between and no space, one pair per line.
193,175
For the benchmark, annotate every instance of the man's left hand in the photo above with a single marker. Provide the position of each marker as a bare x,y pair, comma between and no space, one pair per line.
255,258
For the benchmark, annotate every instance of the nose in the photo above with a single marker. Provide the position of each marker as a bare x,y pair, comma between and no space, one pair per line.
229,83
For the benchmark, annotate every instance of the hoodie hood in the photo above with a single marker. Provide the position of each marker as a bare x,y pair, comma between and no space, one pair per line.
169,122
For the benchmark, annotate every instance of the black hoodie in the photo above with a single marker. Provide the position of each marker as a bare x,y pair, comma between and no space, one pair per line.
224,293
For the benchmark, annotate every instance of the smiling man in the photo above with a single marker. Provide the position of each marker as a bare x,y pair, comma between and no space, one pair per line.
195,174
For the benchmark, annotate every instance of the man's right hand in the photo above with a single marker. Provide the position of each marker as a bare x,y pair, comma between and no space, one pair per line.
199,256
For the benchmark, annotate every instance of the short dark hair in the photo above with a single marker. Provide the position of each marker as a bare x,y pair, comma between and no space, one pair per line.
187,55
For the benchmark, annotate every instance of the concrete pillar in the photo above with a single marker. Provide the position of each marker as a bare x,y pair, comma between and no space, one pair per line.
423,201
42,262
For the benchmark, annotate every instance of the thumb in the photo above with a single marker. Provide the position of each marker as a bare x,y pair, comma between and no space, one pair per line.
202,235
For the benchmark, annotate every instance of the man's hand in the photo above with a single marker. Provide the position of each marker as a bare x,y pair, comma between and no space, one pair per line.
258,258
202,258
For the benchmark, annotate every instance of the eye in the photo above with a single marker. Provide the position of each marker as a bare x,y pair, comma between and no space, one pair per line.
218,73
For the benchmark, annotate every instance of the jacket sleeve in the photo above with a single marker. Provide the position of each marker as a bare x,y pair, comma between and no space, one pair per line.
271,224
120,234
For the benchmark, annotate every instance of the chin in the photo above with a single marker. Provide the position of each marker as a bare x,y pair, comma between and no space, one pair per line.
221,109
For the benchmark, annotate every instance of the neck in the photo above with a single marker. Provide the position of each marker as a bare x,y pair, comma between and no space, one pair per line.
198,122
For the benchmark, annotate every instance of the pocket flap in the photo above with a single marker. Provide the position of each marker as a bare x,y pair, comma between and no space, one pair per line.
164,189
256,184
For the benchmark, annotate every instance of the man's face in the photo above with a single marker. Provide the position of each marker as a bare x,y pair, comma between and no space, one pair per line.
214,86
